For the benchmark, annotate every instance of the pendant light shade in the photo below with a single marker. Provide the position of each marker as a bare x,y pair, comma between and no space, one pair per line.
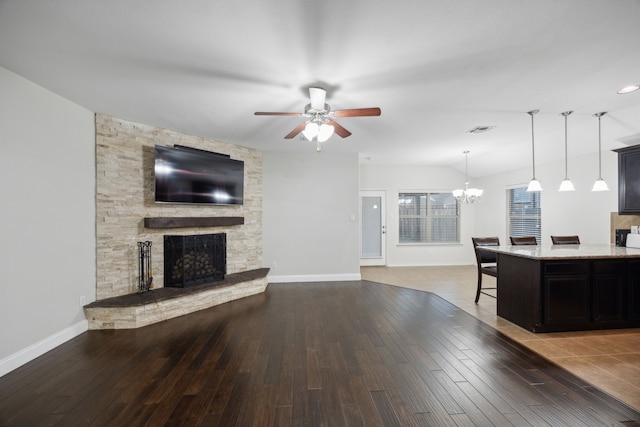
566,184
600,184
534,184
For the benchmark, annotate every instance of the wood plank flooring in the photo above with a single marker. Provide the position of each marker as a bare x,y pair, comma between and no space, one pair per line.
608,359
307,354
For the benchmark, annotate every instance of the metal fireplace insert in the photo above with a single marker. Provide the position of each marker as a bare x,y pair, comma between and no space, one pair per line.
194,259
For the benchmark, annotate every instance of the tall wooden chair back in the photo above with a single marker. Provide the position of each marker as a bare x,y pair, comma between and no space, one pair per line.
527,240
486,261
565,240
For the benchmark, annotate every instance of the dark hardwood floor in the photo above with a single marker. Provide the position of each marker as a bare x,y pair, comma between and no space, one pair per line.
331,354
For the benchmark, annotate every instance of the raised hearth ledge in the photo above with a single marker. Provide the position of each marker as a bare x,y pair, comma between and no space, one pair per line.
178,222
142,309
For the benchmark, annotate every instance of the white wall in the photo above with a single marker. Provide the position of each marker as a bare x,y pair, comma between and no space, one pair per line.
392,180
310,216
47,219
580,212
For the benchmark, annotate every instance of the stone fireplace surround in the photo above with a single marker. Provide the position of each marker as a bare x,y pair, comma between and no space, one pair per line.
126,214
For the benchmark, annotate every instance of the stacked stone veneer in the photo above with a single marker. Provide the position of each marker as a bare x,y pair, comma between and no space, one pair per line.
124,192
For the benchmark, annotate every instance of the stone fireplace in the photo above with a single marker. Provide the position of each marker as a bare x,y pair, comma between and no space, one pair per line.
125,201
191,260
126,214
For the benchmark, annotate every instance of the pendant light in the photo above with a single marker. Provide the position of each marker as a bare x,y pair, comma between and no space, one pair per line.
600,184
468,195
534,184
566,184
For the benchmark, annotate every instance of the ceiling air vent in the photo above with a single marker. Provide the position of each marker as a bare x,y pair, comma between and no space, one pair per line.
480,129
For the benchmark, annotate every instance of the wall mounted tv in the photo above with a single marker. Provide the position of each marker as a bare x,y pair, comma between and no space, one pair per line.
189,175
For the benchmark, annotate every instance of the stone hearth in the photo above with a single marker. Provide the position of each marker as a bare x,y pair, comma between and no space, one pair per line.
142,309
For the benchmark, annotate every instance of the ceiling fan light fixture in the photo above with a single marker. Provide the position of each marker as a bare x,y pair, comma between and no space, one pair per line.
318,96
324,132
310,130
320,123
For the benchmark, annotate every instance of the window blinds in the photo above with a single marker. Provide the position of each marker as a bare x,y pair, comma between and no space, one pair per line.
524,213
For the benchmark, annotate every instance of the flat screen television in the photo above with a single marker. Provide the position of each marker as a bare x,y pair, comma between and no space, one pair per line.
188,175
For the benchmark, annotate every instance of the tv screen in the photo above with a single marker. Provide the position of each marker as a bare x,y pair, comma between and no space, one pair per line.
185,175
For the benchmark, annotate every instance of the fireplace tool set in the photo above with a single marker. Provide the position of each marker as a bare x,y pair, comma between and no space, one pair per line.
144,259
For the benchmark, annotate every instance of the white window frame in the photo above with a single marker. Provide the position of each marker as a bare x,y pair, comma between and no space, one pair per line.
523,231
429,235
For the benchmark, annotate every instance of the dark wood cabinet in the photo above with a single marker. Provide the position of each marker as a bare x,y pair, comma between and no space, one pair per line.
633,287
629,180
609,281
566,300
568,295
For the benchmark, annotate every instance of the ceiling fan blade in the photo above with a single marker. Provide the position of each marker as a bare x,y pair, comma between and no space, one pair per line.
296,131
337,128
318,97
357,112
267,113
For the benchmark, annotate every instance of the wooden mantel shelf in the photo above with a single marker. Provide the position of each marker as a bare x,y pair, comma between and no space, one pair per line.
179,222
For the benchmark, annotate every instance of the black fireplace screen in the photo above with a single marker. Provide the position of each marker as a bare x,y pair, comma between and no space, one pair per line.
194,259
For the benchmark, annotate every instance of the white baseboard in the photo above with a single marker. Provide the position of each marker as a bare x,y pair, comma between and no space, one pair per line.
439,264
26,355
313,278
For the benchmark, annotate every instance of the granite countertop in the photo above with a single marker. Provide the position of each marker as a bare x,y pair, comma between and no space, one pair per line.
567,251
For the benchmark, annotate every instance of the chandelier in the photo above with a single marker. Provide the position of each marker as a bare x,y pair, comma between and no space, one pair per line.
468,195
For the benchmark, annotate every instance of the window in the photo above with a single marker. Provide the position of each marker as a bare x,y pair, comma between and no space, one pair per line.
428,218
524,213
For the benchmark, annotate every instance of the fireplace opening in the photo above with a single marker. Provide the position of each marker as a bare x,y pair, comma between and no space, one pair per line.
194,259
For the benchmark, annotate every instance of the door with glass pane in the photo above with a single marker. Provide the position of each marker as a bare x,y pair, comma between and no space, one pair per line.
373,231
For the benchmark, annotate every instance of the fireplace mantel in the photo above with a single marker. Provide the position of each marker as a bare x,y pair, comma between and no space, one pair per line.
181,222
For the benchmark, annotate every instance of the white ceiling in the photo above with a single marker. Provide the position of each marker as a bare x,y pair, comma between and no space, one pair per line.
436,68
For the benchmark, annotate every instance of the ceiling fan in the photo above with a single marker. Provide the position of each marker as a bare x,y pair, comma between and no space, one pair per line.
320,124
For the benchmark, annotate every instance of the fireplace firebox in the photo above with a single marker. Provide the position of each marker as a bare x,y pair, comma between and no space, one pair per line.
194,259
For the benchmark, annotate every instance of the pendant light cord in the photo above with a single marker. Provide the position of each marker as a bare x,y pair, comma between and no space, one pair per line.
533,149
599,149
566,163
466,169
533,145
566,152
599,116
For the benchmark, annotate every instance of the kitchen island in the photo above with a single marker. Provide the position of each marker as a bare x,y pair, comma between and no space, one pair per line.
568,287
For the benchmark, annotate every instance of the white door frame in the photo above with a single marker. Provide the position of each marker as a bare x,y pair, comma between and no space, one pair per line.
381,258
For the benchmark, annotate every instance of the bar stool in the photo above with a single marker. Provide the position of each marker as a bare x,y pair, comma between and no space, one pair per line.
486,260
